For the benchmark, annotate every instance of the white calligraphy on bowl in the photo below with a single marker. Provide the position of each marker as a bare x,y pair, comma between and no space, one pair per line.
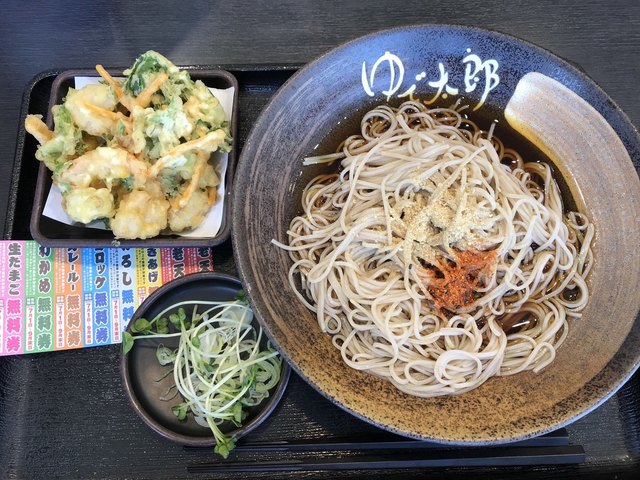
475,70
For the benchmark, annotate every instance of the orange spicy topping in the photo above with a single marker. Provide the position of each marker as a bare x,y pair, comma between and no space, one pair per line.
453,285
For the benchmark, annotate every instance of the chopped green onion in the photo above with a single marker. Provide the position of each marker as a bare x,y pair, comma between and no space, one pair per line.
165,355
331,157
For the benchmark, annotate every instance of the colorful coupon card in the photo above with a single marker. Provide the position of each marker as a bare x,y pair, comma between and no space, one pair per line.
64,298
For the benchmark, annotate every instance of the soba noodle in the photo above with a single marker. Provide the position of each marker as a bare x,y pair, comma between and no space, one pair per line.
435,257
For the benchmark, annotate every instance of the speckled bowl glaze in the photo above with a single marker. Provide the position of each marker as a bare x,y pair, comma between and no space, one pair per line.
572,122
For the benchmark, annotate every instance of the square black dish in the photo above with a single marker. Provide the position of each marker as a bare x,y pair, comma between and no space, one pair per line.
53,233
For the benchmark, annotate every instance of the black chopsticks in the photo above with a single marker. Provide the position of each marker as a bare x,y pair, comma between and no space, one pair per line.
552,448
478,457
556,438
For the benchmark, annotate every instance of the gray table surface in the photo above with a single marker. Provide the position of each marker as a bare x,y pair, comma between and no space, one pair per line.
602,37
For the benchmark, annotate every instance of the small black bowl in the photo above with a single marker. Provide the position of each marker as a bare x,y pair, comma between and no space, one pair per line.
140,369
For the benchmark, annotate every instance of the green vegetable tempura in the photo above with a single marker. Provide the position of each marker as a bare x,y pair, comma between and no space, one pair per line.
135,153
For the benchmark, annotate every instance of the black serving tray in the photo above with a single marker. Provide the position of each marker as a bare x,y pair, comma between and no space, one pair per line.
52,233
66,415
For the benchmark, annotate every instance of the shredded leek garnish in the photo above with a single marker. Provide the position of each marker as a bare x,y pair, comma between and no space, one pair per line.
219,367
331,157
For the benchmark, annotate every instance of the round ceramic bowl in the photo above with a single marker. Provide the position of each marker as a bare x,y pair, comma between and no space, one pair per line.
542,106
145,380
